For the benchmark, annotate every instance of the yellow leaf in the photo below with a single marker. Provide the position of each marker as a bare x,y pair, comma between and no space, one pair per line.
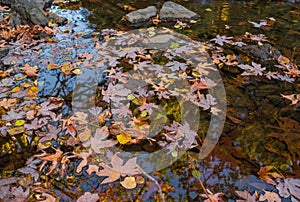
129,183
16,89
101,118
283,60
66,68
33,90
26,84
123,138
15,131
52,66
77,71
19,123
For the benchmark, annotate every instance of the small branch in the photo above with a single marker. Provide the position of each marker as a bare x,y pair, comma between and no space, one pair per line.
201,183
154,180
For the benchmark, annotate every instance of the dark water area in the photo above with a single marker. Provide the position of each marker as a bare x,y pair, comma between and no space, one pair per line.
256,113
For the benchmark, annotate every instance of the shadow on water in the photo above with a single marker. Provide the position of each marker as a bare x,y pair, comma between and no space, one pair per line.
255,109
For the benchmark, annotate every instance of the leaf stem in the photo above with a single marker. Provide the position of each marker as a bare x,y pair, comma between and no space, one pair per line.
154,180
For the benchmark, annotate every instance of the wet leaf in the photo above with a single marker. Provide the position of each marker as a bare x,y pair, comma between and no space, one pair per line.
29,70
266,174
77,71
246,196
129,183
118,169
19,123
123,138
100,141
15,131
174,45
270,197
88,197
289,187
55,159
196,173
8,103
210,197
221,40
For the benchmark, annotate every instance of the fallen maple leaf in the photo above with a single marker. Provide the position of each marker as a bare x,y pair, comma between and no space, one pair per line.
98,141
118,169
246,196
29,70
7,103
210,197
270,197
265,174
53,158
289,187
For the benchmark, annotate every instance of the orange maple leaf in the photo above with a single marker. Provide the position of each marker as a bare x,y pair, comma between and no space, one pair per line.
29,70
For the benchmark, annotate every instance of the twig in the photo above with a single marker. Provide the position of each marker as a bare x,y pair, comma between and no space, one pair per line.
200,181
154,180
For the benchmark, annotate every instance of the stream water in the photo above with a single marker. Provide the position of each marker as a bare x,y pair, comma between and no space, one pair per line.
244,146
255,108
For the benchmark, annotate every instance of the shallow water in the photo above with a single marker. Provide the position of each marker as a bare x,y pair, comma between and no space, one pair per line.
244,146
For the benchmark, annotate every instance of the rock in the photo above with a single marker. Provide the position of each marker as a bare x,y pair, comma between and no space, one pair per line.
27,11
173,11
141,15
262,53
3,52
58,19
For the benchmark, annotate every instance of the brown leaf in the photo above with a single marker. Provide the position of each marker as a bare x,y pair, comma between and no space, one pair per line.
53,158
289,187
88,197
210,197
7,103
129,183
99,141
30,71
118,169
270,197
246,195
84,156
265,174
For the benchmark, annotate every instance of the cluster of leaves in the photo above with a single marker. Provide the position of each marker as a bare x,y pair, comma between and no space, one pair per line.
22,33
287,188
130,106
40,121
285,70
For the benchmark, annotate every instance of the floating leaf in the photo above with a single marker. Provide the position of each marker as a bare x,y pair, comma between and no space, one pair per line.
88,197
270,197
77,71
129,183
29,70
123,138
174,45
15,131
118,169
19,123
196,173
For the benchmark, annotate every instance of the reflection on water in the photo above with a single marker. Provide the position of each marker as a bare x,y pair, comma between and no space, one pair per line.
245,145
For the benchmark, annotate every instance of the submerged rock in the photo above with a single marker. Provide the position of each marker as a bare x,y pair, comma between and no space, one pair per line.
141,15
173,11
262,53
